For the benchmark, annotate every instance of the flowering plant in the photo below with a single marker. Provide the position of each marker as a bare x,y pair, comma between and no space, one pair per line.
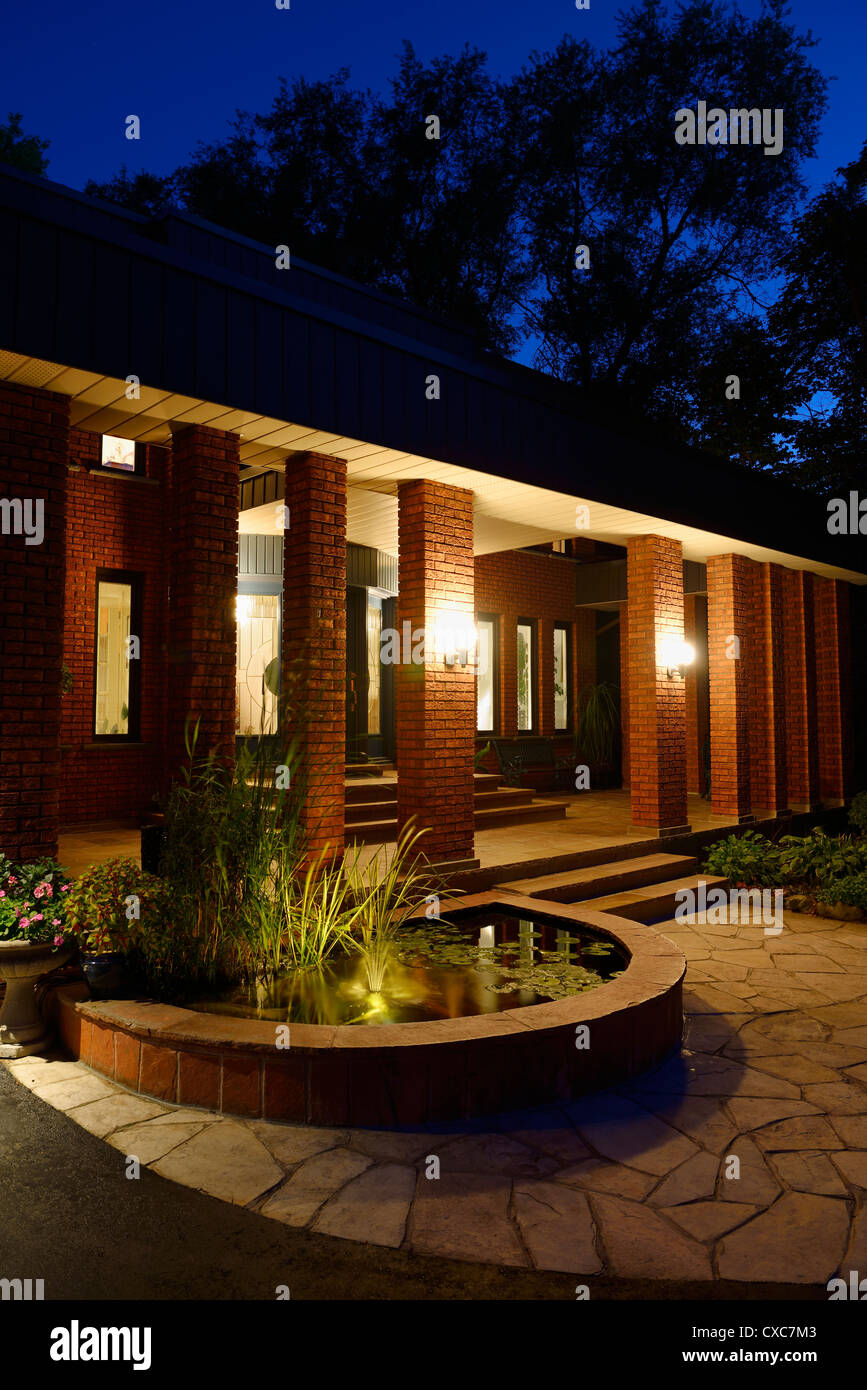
33,901
111,905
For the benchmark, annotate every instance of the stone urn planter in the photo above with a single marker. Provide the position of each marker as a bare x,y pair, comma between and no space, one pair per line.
22,1029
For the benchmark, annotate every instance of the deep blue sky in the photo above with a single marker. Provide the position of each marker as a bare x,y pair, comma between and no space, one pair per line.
75,71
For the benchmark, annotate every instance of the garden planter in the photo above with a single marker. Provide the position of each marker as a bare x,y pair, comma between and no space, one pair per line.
22,1030
107,975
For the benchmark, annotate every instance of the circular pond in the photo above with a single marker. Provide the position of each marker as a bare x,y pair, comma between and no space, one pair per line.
480,961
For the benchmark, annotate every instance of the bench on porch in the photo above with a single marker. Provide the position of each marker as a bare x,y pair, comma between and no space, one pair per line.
519,756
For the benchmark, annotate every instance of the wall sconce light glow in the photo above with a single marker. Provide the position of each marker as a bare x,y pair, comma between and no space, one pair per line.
243,607
456,638
675,655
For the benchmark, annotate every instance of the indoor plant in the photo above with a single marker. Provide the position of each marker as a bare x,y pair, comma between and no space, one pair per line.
597,730
32,941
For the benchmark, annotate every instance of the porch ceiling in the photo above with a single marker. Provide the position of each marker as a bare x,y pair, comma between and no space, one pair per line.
508,514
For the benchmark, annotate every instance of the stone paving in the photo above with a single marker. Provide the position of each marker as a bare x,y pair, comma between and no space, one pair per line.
638,1182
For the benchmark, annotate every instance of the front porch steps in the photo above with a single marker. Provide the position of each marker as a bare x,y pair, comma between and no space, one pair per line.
640,888
597,880
371,807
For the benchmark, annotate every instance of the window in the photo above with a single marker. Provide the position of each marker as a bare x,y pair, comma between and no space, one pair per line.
487,682
117,655
562,682
374,666
123,454
257,665
526,669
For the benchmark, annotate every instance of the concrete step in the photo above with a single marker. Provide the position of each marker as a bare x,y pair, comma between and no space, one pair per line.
518,815
653,902
487,781
577,885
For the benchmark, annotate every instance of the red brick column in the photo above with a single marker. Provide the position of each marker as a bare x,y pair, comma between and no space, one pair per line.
624,696
314,639
435,703
34,433
657,702
203,576
799,661
729,598
693,752
833,689
767,692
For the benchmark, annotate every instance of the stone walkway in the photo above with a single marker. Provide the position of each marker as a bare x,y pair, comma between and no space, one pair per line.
745,1158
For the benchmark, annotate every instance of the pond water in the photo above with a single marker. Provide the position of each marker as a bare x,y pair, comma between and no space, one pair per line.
475,962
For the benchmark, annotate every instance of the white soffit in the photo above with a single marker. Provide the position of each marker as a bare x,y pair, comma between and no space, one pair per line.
507,514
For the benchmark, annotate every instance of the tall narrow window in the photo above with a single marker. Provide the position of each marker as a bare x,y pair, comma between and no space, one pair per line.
486,683
374,667
562,684
257,667
526,663
117,655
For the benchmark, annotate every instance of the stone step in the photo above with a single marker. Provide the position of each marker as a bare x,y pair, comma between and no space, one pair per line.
595,880
357,793
361,812
519,815
373,832
653,902
502,796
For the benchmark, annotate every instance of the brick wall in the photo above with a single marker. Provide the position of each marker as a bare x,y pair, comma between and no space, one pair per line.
799,648
203,577
515,584
730,602
114,521
833,689
33,443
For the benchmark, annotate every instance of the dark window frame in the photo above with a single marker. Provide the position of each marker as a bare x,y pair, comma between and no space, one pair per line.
567,728
532,624
135,580
494,620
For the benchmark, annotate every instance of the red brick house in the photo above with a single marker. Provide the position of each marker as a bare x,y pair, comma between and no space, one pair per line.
213,470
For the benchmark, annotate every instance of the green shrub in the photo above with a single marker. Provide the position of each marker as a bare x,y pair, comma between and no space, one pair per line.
33,899
851,890
110,905
858,813
748,858
817,857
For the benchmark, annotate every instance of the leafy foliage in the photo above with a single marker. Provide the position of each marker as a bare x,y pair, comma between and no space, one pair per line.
858,813
22,151
748,858
33,901
111,905
850,890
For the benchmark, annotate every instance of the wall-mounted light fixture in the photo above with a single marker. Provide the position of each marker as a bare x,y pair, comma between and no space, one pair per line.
675,655
456,639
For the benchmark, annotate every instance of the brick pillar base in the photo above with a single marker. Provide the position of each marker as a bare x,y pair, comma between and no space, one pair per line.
767,693
833,689
657,702
314,640
34,434
203,568
799,643
435,703
729,598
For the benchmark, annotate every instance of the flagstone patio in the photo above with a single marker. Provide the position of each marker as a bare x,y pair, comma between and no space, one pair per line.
636,1182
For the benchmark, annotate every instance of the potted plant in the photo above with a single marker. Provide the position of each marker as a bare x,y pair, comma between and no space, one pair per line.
104,912
32,941
843,898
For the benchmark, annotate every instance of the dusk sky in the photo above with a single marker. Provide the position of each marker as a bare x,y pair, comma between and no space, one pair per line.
75,72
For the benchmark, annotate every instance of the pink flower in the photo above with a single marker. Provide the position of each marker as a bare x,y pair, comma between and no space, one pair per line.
38,917
55,921
39,890
58,940
2,893
65,888
23,922
11,880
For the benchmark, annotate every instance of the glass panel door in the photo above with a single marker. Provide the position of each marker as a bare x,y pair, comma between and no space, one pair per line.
257,674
